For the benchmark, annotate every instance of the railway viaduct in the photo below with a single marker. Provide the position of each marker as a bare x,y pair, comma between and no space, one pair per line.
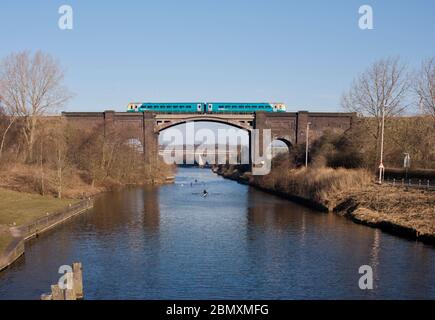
289,127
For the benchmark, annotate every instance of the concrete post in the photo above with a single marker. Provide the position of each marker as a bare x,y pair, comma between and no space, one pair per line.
260,123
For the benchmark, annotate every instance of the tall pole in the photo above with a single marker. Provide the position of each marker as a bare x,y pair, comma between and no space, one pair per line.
306,144
381,165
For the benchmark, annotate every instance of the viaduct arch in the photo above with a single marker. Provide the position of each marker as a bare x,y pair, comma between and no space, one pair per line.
289,127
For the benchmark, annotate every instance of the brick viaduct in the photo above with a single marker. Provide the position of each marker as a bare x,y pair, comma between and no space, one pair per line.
289,127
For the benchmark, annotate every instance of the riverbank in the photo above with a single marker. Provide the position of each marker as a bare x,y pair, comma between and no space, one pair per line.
24,215
351,193
76,184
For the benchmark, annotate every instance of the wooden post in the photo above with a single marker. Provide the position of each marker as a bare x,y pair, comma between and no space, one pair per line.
78,279
74,280
46,296
69,292
57,293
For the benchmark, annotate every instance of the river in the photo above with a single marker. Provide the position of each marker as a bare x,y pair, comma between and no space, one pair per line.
169,242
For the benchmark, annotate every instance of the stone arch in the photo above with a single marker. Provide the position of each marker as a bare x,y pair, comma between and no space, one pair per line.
286,142
235,124
280,142
242,149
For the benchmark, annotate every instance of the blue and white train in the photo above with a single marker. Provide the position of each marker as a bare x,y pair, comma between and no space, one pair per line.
208,107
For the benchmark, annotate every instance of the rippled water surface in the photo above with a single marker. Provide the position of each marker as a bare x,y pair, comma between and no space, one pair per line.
169,242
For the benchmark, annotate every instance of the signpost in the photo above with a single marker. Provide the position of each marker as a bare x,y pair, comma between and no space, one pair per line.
406,164
381,172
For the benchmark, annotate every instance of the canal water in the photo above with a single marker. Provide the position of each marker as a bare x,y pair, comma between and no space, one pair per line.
169,242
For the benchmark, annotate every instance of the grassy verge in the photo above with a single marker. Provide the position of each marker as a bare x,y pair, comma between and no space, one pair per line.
411,209
21,208
5,240
352,193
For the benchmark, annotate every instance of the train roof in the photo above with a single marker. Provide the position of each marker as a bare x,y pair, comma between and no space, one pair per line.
226,102
188,102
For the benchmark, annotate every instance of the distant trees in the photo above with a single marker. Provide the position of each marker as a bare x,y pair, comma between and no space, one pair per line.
387,86
6,122
31,88
383,87
41,152
425,86
380,91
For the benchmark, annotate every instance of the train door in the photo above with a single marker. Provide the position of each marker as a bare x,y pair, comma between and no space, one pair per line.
210,108
274,108
199,107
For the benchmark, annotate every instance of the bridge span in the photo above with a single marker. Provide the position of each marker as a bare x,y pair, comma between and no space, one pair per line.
289,127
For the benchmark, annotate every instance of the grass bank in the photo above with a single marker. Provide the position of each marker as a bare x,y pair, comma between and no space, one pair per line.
351,193
5,239
19,209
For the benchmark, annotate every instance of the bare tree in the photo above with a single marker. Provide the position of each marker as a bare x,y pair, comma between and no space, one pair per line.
425,86
383,86
379,91
32,88
7,119
58,150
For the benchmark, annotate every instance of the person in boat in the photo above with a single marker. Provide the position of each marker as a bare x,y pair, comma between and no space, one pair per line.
205,193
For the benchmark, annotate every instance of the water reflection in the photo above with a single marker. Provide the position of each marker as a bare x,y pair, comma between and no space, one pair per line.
169,242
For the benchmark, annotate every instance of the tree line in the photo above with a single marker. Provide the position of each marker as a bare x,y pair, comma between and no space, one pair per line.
41,152
406,100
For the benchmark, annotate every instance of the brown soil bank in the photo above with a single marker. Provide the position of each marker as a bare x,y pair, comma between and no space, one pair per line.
406,212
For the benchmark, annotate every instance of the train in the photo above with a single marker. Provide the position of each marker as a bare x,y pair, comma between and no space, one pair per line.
205,107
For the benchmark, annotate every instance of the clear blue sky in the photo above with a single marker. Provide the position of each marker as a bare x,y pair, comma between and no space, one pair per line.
303,53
